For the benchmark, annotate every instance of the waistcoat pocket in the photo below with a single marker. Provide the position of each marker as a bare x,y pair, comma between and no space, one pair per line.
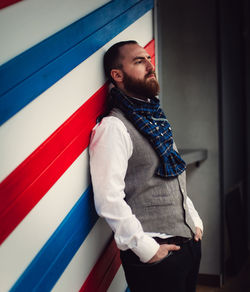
161,200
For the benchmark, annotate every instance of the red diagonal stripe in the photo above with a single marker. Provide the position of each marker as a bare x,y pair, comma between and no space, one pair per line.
104,270
30,181
5,3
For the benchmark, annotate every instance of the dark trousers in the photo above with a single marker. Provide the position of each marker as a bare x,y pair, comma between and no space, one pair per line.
175,273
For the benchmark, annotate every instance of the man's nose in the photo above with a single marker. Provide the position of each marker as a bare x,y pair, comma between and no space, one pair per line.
150,66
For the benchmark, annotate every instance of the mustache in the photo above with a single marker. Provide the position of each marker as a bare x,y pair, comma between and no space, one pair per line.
150,73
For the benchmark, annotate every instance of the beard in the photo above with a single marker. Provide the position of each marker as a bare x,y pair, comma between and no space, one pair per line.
146,88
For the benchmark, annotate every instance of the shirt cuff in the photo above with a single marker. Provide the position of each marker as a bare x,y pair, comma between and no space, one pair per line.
198,223
146,248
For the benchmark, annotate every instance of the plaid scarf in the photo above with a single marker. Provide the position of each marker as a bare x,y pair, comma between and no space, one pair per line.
151,122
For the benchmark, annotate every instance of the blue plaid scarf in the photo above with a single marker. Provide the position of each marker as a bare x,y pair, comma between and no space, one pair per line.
151,122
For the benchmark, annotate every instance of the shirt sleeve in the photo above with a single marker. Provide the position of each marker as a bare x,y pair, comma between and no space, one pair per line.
194,214
110,149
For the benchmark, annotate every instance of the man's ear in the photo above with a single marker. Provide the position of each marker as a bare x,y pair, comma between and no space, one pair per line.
117,75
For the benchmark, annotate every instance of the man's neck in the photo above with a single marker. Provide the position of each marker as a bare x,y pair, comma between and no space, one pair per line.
134,96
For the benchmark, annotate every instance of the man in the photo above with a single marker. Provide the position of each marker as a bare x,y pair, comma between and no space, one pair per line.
139,180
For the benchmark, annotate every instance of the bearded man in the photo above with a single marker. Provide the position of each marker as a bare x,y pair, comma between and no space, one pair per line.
139,182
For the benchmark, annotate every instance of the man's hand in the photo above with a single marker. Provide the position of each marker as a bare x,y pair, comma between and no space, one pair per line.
163,252
198,234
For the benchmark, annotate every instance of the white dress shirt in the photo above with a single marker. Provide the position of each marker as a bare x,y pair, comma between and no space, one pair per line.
110,149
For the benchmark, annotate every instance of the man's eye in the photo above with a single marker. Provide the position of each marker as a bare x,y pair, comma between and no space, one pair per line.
138,62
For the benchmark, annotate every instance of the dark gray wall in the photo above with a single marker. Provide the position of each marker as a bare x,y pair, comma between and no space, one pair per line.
232,85
190,98
232,64
247,84
204,73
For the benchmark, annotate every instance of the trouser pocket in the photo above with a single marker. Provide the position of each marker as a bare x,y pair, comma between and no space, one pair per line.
162,260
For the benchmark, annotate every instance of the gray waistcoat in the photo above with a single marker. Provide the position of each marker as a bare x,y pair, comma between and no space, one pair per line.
158,203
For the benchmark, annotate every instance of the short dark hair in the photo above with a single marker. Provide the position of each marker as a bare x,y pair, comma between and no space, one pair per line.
112,56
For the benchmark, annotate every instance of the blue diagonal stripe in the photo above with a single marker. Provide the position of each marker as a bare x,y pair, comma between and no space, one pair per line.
20,85
33,59
46,268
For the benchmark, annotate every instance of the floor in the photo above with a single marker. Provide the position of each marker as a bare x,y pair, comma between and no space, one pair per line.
238,283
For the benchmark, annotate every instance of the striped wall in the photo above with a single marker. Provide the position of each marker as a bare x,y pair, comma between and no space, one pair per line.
52,88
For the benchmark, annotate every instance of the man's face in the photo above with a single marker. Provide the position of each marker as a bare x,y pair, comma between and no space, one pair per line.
139,77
